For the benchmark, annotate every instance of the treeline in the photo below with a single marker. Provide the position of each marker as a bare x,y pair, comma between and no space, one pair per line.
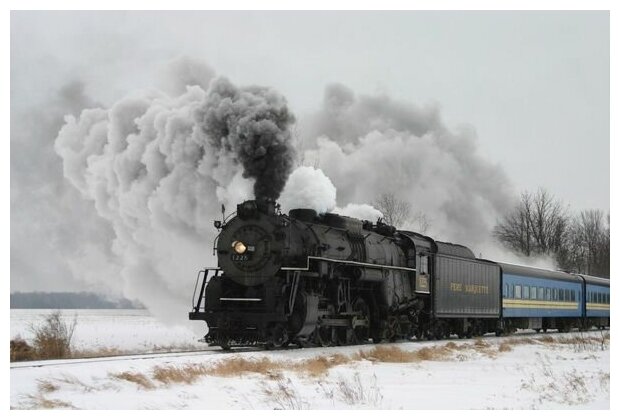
541,225
68,300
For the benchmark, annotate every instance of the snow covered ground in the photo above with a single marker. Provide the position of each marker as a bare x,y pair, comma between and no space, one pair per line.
121,330
524,371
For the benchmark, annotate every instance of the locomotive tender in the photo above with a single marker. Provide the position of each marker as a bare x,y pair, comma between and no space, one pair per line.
327,279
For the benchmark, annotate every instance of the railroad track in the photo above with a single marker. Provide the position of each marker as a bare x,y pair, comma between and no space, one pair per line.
142,356
98,359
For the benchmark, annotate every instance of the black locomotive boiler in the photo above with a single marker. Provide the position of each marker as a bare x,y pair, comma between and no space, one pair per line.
327,279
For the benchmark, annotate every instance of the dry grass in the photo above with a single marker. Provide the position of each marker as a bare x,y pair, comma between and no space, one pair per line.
354,392
283,394
388,354
173,374
504,347
21,350
45,386
238,366
39,401
99,352
136,378
52,337
74,381
320,365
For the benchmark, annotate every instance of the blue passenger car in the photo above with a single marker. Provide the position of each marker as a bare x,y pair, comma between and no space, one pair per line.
540,299
596,301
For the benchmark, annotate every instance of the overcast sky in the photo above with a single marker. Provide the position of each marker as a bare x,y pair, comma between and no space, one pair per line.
533,85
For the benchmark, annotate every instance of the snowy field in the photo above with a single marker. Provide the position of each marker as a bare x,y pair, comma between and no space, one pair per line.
524,371
114,330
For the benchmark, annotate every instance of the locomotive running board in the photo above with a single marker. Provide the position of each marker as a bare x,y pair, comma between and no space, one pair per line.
369,265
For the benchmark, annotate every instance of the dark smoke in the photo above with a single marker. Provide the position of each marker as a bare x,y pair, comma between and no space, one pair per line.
253,123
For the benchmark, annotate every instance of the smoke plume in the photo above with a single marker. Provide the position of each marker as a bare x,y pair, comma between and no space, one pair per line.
253,125
369,145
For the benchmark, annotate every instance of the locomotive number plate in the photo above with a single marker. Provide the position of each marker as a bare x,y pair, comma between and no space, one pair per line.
237,257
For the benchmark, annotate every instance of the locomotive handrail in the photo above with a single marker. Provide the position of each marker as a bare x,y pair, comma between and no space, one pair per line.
307,267
196,287
205,270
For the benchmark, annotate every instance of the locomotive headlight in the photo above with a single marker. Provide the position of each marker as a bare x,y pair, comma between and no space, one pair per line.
239,247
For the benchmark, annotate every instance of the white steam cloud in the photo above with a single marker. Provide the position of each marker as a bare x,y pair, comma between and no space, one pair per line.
370,145
308,188
158,165
360,211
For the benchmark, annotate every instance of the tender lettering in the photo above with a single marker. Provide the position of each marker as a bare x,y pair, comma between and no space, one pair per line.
474,289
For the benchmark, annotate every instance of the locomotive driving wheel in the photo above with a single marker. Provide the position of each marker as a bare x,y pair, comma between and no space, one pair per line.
324,336
393,329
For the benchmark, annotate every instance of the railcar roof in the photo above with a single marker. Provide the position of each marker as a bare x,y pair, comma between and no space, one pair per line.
594,280
522,270
457,250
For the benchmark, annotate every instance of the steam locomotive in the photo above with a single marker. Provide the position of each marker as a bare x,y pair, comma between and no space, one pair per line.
327,279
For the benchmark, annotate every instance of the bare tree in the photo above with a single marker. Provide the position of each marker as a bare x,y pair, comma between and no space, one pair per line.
420,222
395,211
398,213
538,225
587,249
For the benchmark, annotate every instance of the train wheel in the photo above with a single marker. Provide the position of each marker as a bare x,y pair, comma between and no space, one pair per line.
278,338
324,336
392,331
362,333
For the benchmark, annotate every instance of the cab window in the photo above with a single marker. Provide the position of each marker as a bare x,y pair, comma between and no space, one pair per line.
423,264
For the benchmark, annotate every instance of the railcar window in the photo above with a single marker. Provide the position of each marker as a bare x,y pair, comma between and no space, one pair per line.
424,264
512,290
526,292
572,296
541,293
561,295
555,294
548,293
517,291
533,293
505,290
